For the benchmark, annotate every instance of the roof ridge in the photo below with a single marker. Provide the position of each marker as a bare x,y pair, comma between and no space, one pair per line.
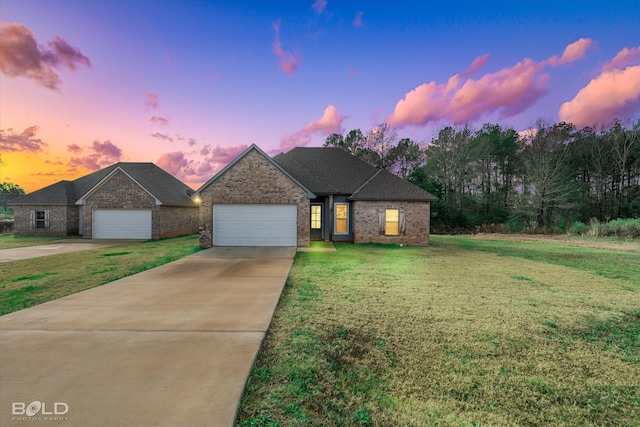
366,182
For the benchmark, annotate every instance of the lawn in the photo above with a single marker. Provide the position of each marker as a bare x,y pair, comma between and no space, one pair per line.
466,332
33,281
8,241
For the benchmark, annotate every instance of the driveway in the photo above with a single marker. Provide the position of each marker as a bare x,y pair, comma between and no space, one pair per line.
170,346
61,247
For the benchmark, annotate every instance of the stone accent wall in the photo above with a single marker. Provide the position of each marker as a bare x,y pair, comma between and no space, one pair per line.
253,179
119,192
178,221
58,220
366,223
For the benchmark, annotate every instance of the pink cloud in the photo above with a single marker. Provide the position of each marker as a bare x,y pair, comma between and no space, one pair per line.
572,52
162,136
159,120
330,122
74,148
193,171
151,100
20,55
288,61
625,57
102,154
319,6
612,95
173,162
475,66
357,20
508,92
23,141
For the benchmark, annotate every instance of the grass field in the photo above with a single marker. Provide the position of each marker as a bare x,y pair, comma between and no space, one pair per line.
33,281
467,332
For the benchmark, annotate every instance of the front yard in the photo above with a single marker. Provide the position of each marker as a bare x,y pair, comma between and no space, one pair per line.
33,281
465,332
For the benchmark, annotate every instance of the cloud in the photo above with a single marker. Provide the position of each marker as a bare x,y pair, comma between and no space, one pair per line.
357,20
475,66
508,92
23,141
162,136
625,57
612,95
159,120
188,170
191,142
151,100
102,154
74,148
288,61
572,52
330,122
319,6
20,56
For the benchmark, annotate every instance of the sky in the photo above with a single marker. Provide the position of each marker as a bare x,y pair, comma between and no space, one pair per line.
190,84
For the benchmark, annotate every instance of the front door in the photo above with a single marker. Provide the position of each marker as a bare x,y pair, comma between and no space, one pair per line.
316,221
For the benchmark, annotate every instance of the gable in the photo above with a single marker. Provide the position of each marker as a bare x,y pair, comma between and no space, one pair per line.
252,166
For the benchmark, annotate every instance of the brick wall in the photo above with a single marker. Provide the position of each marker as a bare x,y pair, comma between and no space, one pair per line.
58,222
178,221
366,226
253,179
119,192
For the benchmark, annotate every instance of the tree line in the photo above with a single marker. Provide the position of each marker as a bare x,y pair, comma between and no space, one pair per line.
539,180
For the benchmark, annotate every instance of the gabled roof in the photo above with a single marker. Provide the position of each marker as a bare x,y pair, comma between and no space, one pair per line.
332,170
165,188
253,147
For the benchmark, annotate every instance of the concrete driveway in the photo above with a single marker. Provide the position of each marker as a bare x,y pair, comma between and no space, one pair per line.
61,247
170,346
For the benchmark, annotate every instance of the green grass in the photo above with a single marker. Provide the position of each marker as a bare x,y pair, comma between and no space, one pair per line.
33,281
465,332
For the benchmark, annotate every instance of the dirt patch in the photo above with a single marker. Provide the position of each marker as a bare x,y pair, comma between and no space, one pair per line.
572,241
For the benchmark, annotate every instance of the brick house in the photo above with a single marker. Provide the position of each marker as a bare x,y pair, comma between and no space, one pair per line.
123,201
310,194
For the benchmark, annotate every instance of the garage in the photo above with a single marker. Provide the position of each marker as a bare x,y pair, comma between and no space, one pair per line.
122,224
254,225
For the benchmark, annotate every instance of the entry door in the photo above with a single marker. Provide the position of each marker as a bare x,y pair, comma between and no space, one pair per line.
316,221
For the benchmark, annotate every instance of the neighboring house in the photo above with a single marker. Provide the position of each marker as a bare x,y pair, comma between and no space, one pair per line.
310,194
122,201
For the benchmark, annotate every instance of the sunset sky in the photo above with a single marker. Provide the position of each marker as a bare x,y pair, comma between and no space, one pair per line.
189,84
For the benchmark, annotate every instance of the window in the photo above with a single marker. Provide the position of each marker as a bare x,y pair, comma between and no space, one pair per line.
341,218
391,222
316,217
40,220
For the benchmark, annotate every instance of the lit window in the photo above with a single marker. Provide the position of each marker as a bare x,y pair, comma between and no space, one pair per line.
316,217
342,218
391,222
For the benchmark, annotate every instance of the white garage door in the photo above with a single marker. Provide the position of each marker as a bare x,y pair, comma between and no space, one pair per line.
254,225
122,224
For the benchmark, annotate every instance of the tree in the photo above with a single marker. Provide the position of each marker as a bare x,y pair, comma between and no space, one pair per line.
8,192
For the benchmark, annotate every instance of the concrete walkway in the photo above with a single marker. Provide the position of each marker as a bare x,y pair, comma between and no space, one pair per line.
167,347
63,247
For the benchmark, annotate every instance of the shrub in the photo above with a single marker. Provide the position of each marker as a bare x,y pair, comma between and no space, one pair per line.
579,228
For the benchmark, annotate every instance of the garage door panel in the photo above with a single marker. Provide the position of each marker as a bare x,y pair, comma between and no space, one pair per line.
255,225
122,224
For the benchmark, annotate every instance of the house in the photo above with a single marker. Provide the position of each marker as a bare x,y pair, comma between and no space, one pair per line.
310,194
123,201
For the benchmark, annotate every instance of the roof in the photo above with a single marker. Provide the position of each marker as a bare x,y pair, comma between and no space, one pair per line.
165,188
332,170
253,147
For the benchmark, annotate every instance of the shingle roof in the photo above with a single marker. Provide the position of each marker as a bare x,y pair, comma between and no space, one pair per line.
167,189
332,170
